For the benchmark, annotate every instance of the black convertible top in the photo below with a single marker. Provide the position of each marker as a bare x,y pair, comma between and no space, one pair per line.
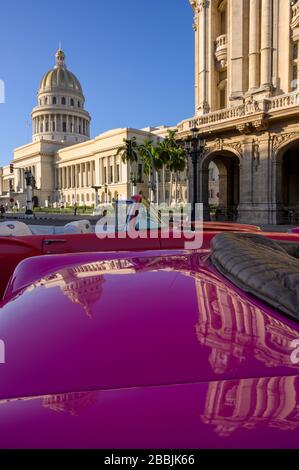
263,267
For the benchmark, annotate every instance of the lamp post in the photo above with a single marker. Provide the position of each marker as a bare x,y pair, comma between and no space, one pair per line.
96,199
195,147
106,193
133,181
29,179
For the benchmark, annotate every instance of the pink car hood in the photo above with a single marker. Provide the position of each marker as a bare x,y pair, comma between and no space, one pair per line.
138,321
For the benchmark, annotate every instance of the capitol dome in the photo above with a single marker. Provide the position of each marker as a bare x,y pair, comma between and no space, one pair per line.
60,77
60,114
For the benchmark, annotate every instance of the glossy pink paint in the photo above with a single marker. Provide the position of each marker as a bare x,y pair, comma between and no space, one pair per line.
155,350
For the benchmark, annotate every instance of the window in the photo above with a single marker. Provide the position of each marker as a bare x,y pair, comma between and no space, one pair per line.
117,173
46,100
54,100
53,126
223,21
63,100
111,174
79,104
72,102
294,83
105,175
80,129
47,126
64,127
295,51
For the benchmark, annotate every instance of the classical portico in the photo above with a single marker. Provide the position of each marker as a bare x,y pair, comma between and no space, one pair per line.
247,105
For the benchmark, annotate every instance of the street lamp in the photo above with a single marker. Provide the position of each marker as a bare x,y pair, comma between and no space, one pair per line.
96,199
195,147
133,181
106,193
30,184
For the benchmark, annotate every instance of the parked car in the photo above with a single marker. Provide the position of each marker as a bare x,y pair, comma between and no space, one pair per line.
20,241
146,350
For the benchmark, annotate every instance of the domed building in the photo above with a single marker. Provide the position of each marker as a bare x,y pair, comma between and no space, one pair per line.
60,113
65,162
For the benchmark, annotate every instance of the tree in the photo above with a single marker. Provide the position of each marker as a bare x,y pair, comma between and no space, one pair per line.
176,161
129,154
150,159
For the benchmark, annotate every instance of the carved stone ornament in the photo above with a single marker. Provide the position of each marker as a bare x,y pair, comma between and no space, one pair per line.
219,145
237,146
278,140
255,154
260,124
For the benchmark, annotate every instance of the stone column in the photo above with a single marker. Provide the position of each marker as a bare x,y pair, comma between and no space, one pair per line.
203,105
266,44
196,58
237,47
81,175
97,176
254,45
202,189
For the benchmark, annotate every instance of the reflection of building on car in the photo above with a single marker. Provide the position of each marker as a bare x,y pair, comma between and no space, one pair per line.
202,363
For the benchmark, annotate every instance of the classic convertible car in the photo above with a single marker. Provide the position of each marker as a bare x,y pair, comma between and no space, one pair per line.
19,241
160,349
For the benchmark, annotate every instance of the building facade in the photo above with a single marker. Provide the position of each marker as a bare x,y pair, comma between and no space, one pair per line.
247,105
66,163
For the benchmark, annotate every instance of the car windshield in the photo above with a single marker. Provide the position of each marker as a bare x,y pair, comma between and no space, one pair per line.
144,216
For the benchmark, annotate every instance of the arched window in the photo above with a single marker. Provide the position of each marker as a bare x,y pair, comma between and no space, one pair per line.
72,102
63,100
54,100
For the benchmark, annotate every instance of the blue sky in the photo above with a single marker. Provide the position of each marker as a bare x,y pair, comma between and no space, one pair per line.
134,59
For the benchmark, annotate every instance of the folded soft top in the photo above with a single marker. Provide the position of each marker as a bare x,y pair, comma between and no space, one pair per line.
266,268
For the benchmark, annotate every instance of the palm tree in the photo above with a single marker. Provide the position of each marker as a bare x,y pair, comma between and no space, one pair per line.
176,159
176,163
162,156
129,152
150,160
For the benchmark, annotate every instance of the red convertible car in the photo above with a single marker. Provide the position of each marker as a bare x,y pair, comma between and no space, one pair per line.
19,241
159,349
